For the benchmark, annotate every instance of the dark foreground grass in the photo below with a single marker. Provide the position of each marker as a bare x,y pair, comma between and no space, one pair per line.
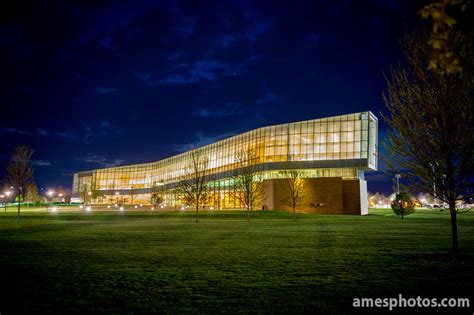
164,262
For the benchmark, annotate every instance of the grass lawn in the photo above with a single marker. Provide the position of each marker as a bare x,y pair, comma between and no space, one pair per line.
140,261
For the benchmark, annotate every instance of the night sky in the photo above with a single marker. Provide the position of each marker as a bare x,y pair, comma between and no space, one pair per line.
92,84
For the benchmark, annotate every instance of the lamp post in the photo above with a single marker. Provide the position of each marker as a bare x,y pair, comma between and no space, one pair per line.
435,201
3,201
50,194
7,197
117,199
20,190
397,177
443,180
89,194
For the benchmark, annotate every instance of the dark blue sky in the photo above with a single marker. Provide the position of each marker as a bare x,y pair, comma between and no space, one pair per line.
91,84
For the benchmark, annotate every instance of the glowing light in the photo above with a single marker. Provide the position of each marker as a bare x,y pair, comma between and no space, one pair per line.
81,207
54,209
89,193
161,207
121,208
141,205
50,193
136,207
88,209
8,193
182,208
212,208
117,193
152,208
108,207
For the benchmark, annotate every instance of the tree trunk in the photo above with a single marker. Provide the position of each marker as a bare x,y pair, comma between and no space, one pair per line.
454,228
294,213
19,210
248,214
197,213
19,200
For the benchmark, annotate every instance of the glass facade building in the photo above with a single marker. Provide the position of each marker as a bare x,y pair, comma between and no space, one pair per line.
342,146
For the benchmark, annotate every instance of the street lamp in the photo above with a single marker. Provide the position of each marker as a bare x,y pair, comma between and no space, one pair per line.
7,193
435,201
3,201
89,194
20,190
397,177
50,194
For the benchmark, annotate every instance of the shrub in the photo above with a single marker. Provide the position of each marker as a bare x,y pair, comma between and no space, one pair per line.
403,205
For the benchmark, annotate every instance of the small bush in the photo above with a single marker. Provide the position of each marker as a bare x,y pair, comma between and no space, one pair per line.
403,205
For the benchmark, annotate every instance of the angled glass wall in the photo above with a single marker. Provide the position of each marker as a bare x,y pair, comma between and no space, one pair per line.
340,146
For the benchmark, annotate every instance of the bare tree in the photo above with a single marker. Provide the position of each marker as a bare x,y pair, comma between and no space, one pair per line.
133,193
31,194
85,195
156,199
295,191
20,171
249,189
193,184
156,196
431,119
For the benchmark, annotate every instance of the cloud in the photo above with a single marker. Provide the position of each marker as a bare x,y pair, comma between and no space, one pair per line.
115,18
106,42
104,90
34,162
257,29
102,161
257,24
42,132
227,110
205,69
175,55
64,134
201,141
209,69
106,128
268,98
17,131
175,79
227,40
312,39
187,27
40,163
146,76
105,124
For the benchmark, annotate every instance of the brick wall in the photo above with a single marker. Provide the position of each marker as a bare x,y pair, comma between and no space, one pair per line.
323,195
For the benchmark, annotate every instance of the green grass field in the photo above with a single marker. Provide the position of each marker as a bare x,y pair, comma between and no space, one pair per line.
164,262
